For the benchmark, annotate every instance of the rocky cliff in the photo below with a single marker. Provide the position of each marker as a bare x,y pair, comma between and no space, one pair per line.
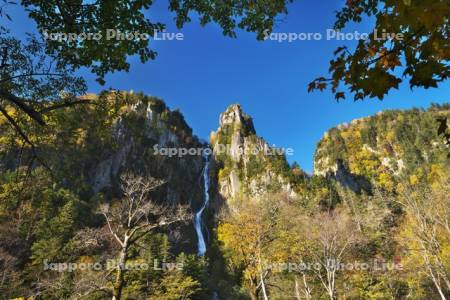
87,148
247,166
383,149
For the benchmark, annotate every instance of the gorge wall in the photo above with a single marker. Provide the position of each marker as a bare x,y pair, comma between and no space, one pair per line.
88,146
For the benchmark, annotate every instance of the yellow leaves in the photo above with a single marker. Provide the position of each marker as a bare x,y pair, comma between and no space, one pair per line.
386,182
174,286
445,256
85,261
390,136
419,173
248,235
413,179
345,134
423,233
436,173
224,172
398,149
80,135
365,163
323,192
213,138
11,111
400,188
387,59
122,110
2,120
3,141
351,134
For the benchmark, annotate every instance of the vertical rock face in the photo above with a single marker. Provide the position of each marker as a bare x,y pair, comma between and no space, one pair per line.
141,132
88,147
235,116
247,166
144,126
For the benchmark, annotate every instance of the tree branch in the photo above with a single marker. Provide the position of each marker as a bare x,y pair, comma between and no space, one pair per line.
21,103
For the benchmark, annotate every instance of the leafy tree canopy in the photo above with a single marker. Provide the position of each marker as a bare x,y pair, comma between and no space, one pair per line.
418,53
36,72
109,55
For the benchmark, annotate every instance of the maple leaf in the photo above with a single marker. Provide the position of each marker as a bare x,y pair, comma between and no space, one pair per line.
339,95
321,86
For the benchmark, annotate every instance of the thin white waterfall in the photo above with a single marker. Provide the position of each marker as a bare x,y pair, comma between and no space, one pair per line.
198,215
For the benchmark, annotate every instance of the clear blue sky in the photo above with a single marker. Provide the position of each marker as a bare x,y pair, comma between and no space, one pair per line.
206,72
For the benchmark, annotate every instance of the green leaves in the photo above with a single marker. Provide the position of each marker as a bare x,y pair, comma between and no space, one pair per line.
105,55
102,55
253,16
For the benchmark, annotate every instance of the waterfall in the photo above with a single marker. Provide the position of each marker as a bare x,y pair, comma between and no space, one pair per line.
198,215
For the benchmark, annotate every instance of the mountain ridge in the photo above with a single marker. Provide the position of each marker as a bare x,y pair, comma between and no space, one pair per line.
87,147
